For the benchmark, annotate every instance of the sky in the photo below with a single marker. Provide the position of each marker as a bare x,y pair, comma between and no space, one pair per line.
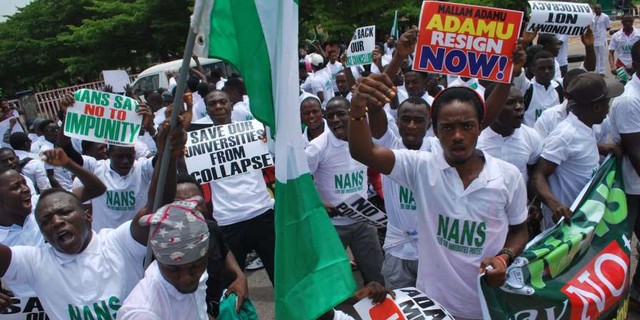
8,7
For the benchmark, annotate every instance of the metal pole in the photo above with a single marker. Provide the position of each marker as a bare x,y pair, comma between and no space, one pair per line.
177,107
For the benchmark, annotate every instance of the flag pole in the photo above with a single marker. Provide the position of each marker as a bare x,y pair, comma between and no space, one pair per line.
177,107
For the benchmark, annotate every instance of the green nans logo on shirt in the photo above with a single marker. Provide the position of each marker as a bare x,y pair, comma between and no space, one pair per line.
121,200
349,182
461,235
105,310
407,202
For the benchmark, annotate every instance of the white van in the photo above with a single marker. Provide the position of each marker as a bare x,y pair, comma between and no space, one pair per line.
157,76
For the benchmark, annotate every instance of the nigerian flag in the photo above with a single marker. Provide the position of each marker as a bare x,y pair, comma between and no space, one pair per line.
260,38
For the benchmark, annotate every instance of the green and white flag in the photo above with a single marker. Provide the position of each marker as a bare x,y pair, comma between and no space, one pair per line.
394,28
260,39
576,271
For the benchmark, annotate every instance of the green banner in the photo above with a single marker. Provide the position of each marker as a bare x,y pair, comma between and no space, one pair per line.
576,271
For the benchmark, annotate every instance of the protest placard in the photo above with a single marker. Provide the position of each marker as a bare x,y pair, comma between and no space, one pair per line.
559,17
468,41
219,152
360,50
5,125
103,117
359,208
410,303
117,79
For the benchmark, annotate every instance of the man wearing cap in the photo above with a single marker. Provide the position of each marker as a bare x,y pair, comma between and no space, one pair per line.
570,153
174,285
320,80
625,129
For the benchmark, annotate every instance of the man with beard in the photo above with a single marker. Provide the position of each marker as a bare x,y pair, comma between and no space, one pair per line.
457,188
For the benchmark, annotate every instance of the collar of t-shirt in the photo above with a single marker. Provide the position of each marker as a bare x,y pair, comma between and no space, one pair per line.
92,248
579,125
335,142
171,290
552,84
517,133
489,171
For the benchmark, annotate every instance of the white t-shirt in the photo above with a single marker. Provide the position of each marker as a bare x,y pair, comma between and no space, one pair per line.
34,170
401,240
541,99
125,195
154,298
600,24
241,111
621,44
573,148
62,175
159,116
625,119
336,175
321,82
85,285
199,111
36,143
26,235
522,148
240,198
459,227
471,83
334,68
563,53
550,118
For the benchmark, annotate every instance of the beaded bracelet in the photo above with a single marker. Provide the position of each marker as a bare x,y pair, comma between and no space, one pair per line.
366,110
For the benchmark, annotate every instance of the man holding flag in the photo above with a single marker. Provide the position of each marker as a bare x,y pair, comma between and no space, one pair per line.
259,38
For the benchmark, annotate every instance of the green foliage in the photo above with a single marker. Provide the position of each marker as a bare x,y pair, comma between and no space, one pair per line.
50,43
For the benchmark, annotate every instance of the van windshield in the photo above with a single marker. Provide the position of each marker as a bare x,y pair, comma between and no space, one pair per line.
146,84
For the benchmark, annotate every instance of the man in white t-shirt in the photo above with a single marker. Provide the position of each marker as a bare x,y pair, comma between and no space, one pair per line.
243,205
414,83
126,177
400,265
338,177
334,66
507,139
312,116
237,92
474,205
81,273
542,91
174,285
625,128
552,44
620,44
570,153
600,24
320,80
31,165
